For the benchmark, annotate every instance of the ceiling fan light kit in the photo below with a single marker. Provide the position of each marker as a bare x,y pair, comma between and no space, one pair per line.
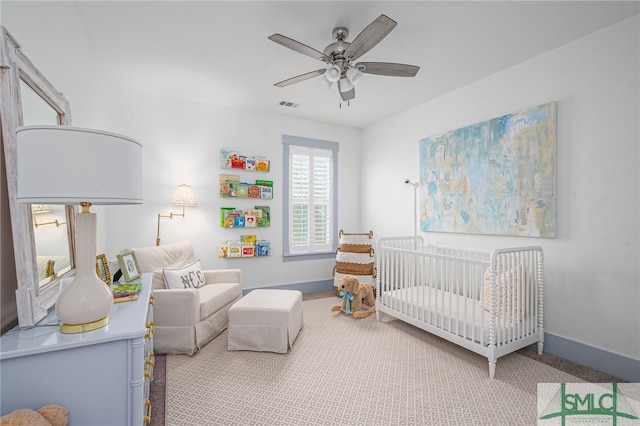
344,85
333,73
325,82
340,56
354,75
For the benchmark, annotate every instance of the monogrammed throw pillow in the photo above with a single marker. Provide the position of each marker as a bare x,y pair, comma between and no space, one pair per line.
190,276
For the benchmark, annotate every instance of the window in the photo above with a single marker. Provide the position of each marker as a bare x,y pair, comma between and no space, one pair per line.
310,206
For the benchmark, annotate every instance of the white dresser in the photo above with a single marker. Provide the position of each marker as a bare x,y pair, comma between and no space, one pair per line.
102,377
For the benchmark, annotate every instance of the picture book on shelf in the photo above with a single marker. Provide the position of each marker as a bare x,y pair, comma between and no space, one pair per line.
243,190
226,158
254,191
234,249
251,163
248,239
250,221
262,164
263,248
223,249
229,185
265,217
248,250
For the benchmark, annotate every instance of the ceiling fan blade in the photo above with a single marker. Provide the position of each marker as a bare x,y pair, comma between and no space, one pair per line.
388,68
369,37
299,47
299,78
348,95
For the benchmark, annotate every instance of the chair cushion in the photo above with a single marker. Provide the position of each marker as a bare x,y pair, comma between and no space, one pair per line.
155,259
214,297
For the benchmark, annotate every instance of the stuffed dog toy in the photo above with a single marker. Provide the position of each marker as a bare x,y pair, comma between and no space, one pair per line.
49,415
355,294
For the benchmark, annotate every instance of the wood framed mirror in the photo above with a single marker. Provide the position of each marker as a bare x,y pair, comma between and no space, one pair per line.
27,97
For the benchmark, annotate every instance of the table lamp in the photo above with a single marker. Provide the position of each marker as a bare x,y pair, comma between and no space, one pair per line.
73,165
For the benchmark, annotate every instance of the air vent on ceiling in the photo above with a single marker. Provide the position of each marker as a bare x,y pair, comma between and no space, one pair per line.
288,104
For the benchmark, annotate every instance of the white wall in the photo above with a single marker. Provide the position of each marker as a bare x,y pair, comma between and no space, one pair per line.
592,288
182,141
53,38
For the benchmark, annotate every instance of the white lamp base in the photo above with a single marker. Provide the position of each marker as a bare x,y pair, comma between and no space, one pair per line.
85,303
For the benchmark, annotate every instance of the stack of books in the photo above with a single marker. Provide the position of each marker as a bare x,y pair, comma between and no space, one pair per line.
125,292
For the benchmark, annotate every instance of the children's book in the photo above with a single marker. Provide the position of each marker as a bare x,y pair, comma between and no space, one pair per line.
266,192
250,221
224,214
263,248
248,250
265,219
229,185
125,289
226,157
125,298
243,190
222,249
254,191
262,164
234,249
248,239
239,162
251,163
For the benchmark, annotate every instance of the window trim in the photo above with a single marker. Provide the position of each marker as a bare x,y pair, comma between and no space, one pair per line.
287,142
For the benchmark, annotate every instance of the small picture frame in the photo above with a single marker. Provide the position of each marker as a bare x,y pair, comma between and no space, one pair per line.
102,268
129,266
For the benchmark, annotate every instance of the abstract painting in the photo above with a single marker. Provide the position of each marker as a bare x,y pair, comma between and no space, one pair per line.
496,177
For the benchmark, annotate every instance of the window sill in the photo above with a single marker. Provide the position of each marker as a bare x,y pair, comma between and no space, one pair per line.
308,256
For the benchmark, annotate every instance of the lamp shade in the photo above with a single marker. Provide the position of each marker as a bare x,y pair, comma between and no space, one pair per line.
69,165
184,197
40,208
333,73
354,75
344,85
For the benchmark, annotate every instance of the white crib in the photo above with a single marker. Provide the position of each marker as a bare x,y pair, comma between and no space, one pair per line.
488,302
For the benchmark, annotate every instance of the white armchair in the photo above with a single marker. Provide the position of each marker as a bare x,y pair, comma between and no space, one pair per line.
186,319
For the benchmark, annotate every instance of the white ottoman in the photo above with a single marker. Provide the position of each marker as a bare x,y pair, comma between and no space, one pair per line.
265,320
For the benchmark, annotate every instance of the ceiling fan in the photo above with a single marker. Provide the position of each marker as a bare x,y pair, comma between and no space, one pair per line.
340,56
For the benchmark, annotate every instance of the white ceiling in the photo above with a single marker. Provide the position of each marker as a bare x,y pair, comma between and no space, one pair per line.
218,52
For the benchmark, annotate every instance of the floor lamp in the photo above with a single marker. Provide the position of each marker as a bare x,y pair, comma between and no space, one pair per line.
72,165
415,205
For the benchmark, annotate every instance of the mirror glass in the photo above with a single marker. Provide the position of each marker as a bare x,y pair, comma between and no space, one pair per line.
49,221
34,109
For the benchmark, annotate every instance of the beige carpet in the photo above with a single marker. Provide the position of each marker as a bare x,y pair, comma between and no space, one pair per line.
343,371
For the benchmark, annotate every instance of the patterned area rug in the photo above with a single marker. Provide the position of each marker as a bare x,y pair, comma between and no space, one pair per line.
346,371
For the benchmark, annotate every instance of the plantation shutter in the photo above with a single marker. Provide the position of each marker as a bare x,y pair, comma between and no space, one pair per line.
310,199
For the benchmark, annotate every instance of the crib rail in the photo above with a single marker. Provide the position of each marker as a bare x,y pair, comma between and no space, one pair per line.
489,298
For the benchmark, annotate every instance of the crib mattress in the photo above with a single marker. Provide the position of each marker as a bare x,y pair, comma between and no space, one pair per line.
457,314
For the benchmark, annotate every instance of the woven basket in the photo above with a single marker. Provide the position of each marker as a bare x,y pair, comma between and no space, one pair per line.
356,248
354,268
